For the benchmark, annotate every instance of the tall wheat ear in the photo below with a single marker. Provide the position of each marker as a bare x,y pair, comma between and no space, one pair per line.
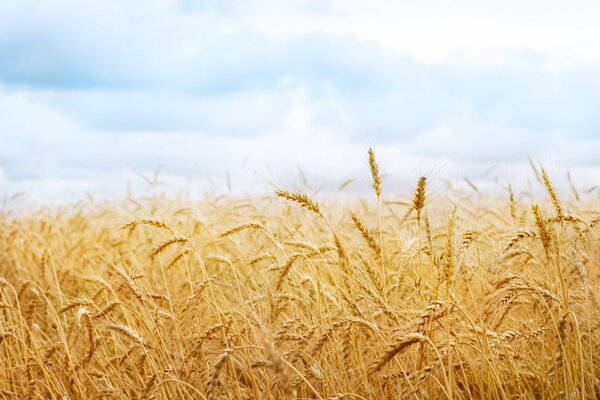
300,198
375,175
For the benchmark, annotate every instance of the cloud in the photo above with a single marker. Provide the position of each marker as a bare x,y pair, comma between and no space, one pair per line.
258,88
70,158
176,83
176,71
469,140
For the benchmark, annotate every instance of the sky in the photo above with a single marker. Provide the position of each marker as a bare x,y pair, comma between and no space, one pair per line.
242,96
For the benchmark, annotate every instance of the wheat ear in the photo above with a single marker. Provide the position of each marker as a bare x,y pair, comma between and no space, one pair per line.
301,198
374,167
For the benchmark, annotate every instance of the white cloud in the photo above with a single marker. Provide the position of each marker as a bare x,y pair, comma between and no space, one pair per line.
463,31
81,159
259,88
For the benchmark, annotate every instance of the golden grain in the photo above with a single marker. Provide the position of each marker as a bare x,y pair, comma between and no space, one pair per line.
375,175
347,305
366,234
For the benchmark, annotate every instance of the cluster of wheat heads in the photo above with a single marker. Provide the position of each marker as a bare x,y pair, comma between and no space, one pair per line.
286,297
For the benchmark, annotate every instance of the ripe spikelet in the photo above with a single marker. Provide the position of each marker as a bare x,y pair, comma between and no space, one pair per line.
312,370
449,266
84,315
375,172
308,281
281,371
508,303
517,238
508,256
504,337
325,336
129,283
132,349
164,245
218,259
148,222
301,198
157,296
178,257
24,286
126,331
562,336
535,334
407,215
262,257
107,309
140,365
341,252
347,345
542,227
303,245
44,264
253,225
214,373
538,290
284,329
373,276
552,193
103,386
428,236
432,312
366,234
160,313
570,218
29,312
76,303
191,301
394,349
286,269
353,306
148,387
419,198
200,339
512,203
590,226
239,228
468,238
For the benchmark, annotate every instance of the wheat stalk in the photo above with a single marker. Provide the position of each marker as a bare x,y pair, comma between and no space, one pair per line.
166,244
148,222
375,175
127,332
553,196
418,200
214,374
364,232
542,227
394,349
300,198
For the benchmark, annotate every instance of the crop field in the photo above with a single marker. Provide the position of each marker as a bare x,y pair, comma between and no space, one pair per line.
295,295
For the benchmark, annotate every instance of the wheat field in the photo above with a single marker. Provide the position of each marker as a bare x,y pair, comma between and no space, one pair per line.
292,296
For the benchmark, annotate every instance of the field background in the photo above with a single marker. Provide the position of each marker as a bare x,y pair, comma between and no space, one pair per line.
285,296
